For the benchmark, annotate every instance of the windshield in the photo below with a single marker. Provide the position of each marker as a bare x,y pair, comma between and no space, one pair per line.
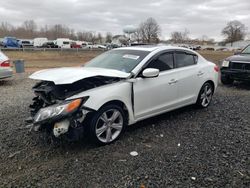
121,60
246,50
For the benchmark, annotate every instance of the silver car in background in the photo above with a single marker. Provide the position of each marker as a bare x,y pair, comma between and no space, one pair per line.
5,69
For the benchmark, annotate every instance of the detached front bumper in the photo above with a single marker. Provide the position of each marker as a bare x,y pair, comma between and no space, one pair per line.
71,126
240,75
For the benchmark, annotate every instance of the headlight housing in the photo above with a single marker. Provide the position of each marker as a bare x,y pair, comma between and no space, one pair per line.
225,63
58,110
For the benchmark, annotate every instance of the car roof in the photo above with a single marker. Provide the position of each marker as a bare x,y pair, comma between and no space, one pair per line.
151,48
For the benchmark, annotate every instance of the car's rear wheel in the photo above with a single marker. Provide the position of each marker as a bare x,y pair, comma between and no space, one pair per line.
205,95
226,80
107,124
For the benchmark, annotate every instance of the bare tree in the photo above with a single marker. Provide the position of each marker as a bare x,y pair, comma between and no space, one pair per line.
45,32
72,34
108,37
180,37
177,37
137,35
150,31
234,31
60,31
28,29
6,29
99,38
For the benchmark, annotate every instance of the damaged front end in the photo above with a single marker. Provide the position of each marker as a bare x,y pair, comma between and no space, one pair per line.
52,113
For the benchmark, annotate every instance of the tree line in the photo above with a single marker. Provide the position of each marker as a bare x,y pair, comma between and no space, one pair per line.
148,31
29,30
233,31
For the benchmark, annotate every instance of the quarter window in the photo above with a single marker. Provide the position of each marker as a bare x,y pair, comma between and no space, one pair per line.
183,59
163,62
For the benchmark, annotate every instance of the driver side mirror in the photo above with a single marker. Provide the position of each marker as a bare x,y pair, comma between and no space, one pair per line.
150,73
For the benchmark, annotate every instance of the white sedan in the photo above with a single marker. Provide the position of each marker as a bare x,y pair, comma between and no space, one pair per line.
119,88
5,69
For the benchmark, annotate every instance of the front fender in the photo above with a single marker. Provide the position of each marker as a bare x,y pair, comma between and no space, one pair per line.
120,91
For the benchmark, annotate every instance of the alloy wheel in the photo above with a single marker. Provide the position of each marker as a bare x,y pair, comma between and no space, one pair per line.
206,95
109,125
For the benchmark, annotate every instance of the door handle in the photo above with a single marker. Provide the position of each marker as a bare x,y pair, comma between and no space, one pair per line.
173,81
200,73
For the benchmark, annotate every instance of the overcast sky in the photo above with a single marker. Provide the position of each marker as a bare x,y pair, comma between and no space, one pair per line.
200,17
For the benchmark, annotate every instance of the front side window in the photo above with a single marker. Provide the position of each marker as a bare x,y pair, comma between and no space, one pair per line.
163,62
246,50
183,59
121,60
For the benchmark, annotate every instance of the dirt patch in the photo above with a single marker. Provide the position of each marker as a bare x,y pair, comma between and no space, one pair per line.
37,60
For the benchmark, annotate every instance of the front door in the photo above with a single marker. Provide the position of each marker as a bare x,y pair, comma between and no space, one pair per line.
155,95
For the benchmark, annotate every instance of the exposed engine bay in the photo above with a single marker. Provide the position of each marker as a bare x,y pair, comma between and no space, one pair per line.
47,93
51,97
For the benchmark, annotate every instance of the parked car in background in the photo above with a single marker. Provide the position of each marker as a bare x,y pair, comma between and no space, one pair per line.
75,45
223,49
63,42
25,43
49,44
86,45
196,48
38,42
5,69
10,42
99,46
209,48
119,88
236,67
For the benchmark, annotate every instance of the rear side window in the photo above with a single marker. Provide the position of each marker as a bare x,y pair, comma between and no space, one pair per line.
163,62
184,59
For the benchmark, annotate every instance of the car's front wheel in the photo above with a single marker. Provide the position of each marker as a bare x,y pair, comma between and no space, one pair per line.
205,95
107,124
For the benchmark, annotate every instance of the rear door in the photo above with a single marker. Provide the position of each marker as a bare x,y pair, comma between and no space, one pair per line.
189,76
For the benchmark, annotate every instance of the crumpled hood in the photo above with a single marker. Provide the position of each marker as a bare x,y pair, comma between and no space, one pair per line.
69,75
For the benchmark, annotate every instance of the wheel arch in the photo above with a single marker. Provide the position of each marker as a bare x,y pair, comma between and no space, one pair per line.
120,104
208,81
212,83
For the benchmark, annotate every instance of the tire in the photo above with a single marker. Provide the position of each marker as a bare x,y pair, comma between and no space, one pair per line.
226,80
205,96
103,129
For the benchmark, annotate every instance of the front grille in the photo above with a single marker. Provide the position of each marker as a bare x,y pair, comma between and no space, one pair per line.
240,66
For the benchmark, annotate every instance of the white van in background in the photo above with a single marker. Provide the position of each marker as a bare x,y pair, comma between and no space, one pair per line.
63,42
87,45
38,42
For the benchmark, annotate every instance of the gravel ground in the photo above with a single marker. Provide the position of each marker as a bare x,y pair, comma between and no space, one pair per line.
184,148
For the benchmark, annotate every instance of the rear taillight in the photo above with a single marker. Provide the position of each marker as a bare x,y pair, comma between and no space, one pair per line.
216,68
5,64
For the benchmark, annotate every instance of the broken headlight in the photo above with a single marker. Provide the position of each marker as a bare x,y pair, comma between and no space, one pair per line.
58,110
